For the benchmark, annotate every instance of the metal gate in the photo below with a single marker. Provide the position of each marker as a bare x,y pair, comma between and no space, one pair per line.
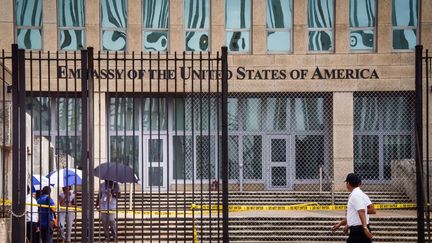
161,116
423,78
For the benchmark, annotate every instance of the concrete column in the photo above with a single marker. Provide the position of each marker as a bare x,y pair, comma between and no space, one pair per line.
384,28
343,122
176,33
134,33
259,37
92,24
217,17
99,131
6,25
49,25
300,42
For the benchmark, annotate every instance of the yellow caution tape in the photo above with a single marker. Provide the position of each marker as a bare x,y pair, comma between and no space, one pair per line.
305,206
232,208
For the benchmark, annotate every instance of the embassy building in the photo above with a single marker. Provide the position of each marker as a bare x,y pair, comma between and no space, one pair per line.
317,88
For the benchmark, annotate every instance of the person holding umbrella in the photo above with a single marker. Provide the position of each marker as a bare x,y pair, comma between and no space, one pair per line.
109,192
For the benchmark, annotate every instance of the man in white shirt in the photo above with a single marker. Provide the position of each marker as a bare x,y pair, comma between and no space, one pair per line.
358,210
32,218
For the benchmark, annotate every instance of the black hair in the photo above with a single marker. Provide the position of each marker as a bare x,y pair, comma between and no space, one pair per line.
354,184
46,190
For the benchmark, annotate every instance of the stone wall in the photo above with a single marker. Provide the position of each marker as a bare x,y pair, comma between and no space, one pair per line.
404,177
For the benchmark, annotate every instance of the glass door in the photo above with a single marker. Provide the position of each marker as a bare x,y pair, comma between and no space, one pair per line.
155,157
280,168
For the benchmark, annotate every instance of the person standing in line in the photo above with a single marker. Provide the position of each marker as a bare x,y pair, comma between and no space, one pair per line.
357,216
67,213
109,192
46,215
32,218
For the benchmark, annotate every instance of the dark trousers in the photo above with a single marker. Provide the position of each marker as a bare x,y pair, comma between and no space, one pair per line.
46,234
357,235
32,235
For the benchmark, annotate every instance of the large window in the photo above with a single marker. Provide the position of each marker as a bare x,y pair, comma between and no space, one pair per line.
155,25
303,120
71,24
114,24
279,25
320,25
28,24
238,25
56,127
383,132
405,22
362,20
197,25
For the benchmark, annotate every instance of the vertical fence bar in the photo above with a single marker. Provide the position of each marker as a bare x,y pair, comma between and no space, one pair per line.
419,147
3,158
19,166
225,144
90,81
427,146
84,150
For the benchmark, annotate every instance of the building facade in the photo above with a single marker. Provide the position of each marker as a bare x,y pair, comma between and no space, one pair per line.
318,88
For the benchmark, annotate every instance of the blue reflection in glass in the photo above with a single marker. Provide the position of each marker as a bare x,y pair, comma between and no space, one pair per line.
29,39
114,40
279,14
320,13
278,41
197,14
197,41
237,14
71,39
362,40
156,41
362,13
320,40
404,39
405,13
114,13
71,13
155,14
238,41
28,12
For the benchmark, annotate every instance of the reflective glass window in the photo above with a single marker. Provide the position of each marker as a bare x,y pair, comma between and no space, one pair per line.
320,25
405,22
155,25
114,24
71,22
279,25
28,24
197,25
238,25
383,132
362,19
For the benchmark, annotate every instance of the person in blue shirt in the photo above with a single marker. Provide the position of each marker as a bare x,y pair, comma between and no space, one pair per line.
46,215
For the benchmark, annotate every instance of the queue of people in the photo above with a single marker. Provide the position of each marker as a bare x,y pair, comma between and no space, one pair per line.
41,215
41,218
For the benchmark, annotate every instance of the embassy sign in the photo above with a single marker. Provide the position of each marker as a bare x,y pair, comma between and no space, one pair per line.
240,73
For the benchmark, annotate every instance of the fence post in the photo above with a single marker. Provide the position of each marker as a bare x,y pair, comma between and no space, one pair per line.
84,149
225,144
90,158
19,145
419,143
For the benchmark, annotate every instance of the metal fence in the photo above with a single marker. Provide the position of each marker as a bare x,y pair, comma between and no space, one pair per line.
77,111
171,121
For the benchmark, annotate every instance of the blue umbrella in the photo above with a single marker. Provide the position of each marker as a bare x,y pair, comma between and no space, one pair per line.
65,177
38,182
